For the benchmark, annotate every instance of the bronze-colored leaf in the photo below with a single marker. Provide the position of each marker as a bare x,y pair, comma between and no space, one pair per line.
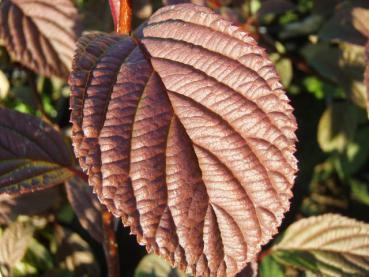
86,206
39,202
194,153
40,34
33,155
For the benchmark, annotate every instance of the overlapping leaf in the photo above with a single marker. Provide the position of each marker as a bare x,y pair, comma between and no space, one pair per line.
86,207
32,154
40,34
188,137
14,243
39,202
332,245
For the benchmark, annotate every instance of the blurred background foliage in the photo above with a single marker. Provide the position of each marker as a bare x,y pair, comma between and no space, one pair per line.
318,50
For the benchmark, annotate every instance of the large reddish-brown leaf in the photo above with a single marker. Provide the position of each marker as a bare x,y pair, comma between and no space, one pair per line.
40,34
33,156
189,137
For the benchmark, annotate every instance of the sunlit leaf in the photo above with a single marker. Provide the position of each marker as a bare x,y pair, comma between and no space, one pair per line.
4,85
337,126
360,20
86,206
155,266
331,245
40,34
176,144
33,155
14,242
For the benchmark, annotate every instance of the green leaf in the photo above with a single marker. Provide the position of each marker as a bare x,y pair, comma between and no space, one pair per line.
154,266
337,126
360,191
356,153
14,243
270,267
33,155
331,245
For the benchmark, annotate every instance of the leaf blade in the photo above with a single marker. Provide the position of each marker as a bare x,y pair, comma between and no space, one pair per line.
33,156
150,149
334,243
40,35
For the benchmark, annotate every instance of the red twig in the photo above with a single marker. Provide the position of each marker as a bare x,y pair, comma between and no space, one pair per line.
125,17
110,244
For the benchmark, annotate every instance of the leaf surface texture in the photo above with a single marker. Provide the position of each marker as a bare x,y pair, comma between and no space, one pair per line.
40,34
336,245
33,155
187,135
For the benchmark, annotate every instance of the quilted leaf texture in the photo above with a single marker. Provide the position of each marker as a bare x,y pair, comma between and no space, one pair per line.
40,34
337,245
187,135
33,155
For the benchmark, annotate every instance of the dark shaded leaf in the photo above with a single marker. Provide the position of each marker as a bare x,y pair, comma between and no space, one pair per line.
331,245
28,204
14,243
86,206
33,155
341,26
196,155
74,254
275,7
40,34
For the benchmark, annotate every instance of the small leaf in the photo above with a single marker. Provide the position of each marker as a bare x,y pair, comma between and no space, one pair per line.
4,85
360,191
270,267
337,126
155,266
86,206
74,254
33,155
332,245
190,141
360,20
40,34
14,243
